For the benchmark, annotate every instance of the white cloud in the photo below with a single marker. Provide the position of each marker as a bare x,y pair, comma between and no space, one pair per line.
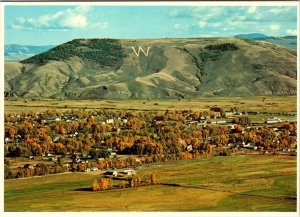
66,19
236,23
101,25
251,10
274,27
270,20
179,26
202,24
75,21
216,24
279,10
291,31
173,13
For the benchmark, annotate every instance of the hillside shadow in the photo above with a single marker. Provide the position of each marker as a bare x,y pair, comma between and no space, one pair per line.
83,189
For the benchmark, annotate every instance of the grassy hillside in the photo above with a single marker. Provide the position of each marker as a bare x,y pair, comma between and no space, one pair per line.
235,183
172,68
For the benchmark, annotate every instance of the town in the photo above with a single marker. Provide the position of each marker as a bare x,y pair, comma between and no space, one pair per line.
90,140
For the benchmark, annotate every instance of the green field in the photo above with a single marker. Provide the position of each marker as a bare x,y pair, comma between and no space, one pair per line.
235,183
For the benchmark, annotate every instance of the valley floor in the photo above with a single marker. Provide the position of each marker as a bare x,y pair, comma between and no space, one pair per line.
272,104
232,183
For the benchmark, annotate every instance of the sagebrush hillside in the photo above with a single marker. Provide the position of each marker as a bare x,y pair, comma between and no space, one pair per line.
165,68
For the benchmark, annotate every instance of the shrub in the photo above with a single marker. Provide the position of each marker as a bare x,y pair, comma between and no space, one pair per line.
222,47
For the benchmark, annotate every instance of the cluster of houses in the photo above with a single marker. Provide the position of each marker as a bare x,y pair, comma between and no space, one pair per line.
220,117
244,145
39,117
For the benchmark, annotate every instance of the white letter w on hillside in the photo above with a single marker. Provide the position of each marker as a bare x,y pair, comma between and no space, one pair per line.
141,49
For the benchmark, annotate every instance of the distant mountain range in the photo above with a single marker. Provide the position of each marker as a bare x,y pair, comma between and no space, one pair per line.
289,42
251,36
16,52
155,68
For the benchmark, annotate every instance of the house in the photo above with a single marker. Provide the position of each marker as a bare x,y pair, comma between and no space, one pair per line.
110,121
127,172
114,129
191,122
249,146
94,168
7,140
112,151
71,135
252,147
216,121
49,120
228,114
231,126
72,119
75,158
55,138
138,160
111,173
239,144
286,150
230,144
217,111
189,148
212,121
273,120
53,159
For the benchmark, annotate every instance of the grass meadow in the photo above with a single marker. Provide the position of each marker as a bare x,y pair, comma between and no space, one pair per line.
256,103
233,183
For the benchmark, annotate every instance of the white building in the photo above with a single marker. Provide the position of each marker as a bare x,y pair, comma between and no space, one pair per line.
273,120
110,121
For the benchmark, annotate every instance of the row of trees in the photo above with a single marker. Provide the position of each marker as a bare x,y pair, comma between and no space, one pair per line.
28,170
134,181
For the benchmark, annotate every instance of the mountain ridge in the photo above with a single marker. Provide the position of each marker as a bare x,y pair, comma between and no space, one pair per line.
173,68
17,52
251,35
289,41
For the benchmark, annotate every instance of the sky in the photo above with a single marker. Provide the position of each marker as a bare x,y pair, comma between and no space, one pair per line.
52,25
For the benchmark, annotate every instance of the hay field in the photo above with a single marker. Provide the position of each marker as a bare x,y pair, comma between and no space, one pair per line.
234,183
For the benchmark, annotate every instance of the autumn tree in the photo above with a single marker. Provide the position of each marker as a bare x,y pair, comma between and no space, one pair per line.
152,178
95,185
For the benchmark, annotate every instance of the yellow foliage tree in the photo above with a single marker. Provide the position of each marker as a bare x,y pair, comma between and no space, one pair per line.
153,178
95,185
